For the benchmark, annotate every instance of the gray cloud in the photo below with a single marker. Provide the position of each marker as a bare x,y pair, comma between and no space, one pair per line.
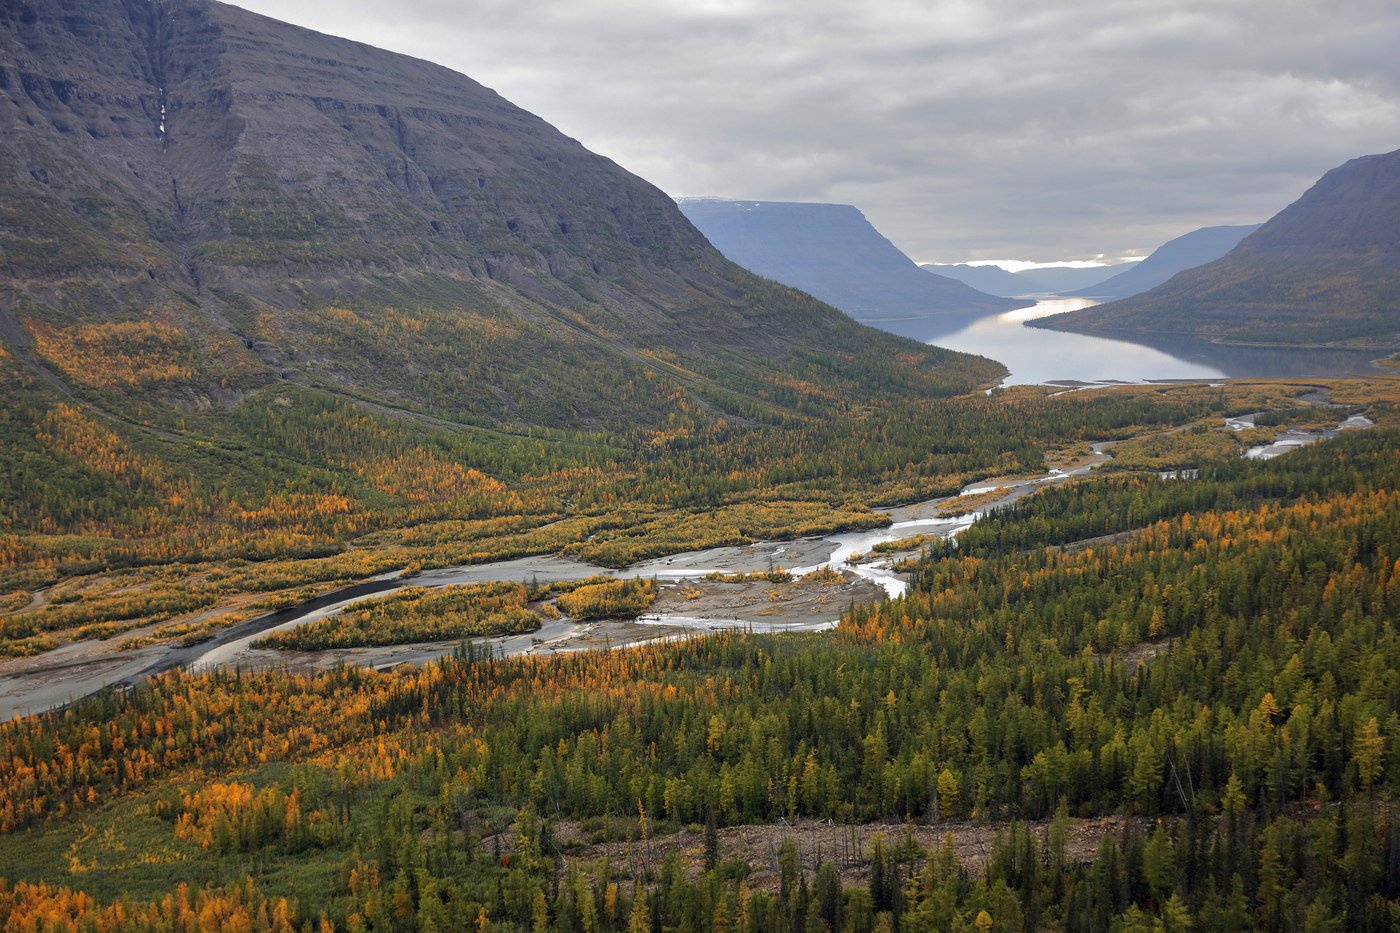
964,130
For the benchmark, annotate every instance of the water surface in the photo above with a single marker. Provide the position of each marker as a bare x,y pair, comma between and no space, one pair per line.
1037,356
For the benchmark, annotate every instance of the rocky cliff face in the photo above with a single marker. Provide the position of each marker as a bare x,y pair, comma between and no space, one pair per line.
242,141
1324,271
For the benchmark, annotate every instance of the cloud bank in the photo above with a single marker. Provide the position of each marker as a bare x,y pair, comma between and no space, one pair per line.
964,130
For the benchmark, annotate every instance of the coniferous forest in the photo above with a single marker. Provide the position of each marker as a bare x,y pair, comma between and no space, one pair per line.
1158,704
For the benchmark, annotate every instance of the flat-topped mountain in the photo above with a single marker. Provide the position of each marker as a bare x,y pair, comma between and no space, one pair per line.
1177,255
832,251
1324,271
207,201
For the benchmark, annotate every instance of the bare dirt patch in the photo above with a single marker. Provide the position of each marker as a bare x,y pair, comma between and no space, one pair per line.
847,845
1142,653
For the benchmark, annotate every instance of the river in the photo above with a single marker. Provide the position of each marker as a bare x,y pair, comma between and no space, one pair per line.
86,667
798,557
840,552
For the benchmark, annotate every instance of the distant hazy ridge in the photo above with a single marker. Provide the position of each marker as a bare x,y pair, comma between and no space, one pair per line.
832,251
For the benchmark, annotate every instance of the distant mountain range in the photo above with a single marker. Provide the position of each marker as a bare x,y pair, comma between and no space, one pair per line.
1325,271
833,252
994,280
1185,252
1116,281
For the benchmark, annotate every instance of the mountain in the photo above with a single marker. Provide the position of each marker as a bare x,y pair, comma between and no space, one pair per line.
1059,279
832,251
1325,271
994,280
997,281
197,203
1185,252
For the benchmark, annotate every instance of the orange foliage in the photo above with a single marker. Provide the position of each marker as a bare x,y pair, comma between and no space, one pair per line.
76,437
38,907
419,475
118,354
393,323
52,764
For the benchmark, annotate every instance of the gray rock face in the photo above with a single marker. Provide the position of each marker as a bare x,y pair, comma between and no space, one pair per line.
234,140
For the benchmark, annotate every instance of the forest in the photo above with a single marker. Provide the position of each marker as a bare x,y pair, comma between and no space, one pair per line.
416,614
1173,704
174,525
452,613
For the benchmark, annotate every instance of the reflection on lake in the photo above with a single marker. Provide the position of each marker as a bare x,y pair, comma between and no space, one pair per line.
1259,362
1037,356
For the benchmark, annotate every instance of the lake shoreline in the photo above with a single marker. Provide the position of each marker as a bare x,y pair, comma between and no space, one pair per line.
1037,352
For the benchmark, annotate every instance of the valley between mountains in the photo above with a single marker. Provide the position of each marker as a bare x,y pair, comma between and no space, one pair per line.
410,521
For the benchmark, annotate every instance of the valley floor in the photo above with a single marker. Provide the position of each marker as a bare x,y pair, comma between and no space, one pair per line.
689,603
1189,659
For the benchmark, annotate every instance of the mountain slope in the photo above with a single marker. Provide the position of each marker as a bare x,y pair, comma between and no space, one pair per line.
1057,280
1324,271
196,202
832,251
994,280
1184,252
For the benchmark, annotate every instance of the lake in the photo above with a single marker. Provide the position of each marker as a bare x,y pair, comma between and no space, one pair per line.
1037,356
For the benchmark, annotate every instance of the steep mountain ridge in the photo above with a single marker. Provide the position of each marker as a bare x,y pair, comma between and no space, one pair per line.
1324,271
217,111
833,252
186,181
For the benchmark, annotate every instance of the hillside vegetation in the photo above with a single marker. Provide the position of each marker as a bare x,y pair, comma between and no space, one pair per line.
281,311
118,527
211,203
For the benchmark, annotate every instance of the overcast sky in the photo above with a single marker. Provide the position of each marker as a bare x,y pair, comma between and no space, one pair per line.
964,129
